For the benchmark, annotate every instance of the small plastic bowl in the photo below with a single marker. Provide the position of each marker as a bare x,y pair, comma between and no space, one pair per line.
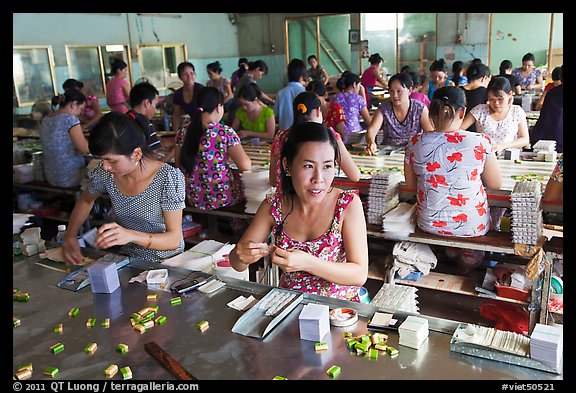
157,276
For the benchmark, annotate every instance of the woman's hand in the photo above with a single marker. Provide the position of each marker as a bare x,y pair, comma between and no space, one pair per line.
71,251
112,234
289,260
370,148
249,252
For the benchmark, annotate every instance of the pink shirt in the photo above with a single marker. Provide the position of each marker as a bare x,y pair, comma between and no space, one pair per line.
115,95
416,95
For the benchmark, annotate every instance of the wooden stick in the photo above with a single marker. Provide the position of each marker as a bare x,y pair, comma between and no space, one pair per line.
167,361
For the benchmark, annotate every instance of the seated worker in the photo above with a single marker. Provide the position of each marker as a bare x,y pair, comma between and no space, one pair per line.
450,168
554,190
143,100
506,69
202,153
400,117
550,123
529,76
147,195
253,119
556,80
319,231
296,81
504,122
332,112
352,103
373,76
63,142
92,112
307,106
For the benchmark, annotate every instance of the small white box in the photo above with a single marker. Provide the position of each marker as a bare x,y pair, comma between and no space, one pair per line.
103,277
157,277
314,322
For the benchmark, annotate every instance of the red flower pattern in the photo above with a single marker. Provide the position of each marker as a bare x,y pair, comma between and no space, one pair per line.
480,208
474,174
435,180
455,157
454,137
439,224
432,166
458,201
479,152
460,218
421,195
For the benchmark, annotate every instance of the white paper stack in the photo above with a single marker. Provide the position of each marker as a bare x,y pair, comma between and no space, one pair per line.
413,332
200,257
397,297
314,322
383,195
256,186
545,146
103,277
399,222
546,343
526,223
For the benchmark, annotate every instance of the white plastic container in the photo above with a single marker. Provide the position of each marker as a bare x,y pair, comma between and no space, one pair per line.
157,277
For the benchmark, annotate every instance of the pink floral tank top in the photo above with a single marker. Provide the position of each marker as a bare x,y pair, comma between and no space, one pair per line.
328,247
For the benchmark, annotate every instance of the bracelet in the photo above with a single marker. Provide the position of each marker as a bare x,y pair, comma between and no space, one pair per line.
149,242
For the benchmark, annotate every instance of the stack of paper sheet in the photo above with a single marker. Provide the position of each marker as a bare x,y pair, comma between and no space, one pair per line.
256,186
526,224
397,297
201,256
399,222
383,194
413,332
546,343
314,322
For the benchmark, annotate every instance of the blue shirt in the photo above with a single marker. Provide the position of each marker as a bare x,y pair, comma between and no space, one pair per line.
283,106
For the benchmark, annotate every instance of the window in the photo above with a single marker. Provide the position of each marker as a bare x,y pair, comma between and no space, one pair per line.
159,63
92,64
33,74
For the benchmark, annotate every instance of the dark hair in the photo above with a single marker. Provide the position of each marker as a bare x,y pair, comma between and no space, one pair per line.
142,91
242,61
72,84
258,64
118,133
375,58
439,65
317,87
499,84
208,100
476,60
416,78
406,68
118,64
528,57
296,70
505,65
312,57
69,96
183,65
403,78
457,68
215,67
477,71
446,101
298,135
302,104
250,92
347,79
556,73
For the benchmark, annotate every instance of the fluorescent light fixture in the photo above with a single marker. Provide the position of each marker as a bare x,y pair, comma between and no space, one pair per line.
176,16
114,48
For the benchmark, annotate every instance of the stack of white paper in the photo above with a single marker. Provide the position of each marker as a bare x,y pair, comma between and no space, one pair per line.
314,322
201,256
526,224
103,277
383,195
413,332
256,187
399,222
546,344
546,146
397,297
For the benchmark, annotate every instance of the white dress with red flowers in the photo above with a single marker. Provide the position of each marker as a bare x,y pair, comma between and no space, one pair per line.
451,200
